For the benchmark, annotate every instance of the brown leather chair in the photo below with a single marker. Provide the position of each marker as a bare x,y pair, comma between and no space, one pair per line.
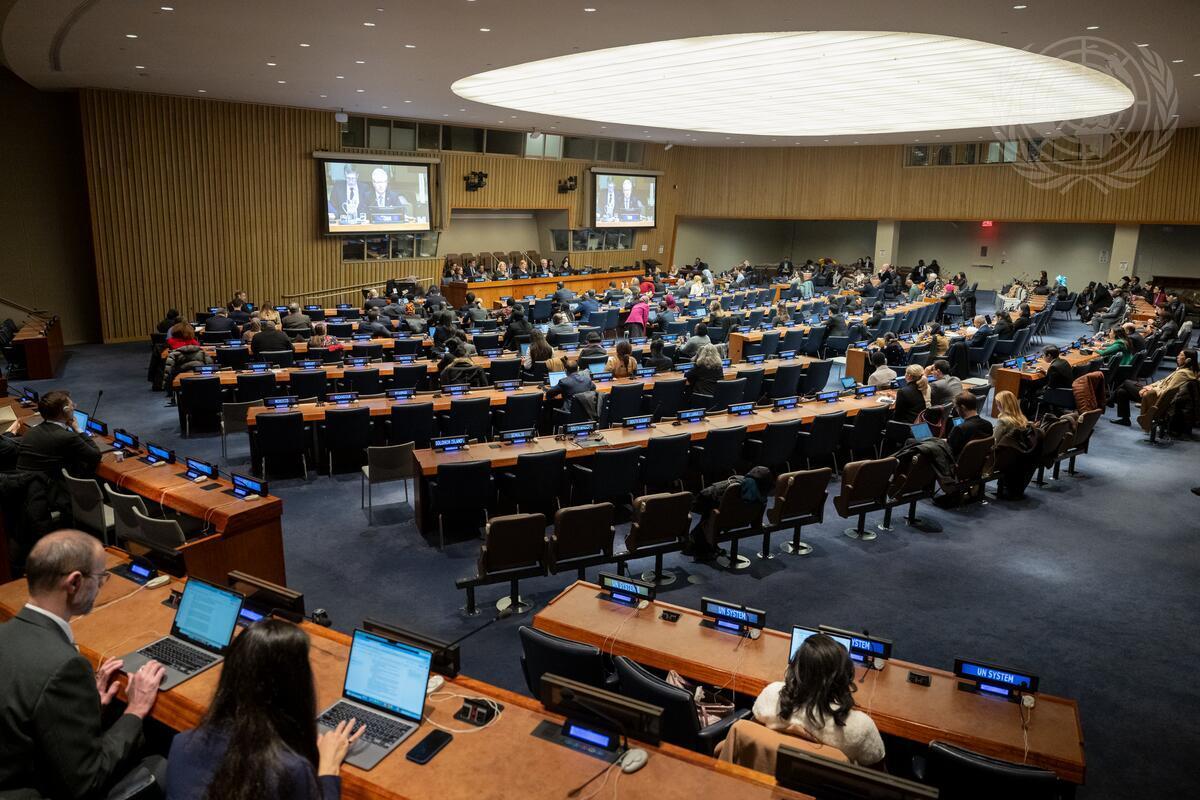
452,259
463,258
486,260
660,525
1079,442
733,519
1055,442
915,482
799,500
973,470
514,547
864,489
582,537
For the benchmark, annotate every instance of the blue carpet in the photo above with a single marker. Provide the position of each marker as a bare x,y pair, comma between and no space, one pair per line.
1085,583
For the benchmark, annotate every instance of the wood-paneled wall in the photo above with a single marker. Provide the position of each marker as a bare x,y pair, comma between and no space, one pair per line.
192,199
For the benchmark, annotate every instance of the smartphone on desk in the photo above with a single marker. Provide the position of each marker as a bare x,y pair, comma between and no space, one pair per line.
429,747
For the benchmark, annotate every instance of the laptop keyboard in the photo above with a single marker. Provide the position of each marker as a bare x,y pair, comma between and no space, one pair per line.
381,730
172,654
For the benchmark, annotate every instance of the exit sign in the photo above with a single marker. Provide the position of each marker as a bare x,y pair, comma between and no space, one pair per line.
987,223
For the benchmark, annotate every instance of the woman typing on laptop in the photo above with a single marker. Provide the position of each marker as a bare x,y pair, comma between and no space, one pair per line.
259,736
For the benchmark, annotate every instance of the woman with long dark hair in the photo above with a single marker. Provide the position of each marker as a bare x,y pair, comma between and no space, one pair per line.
259,739
816,701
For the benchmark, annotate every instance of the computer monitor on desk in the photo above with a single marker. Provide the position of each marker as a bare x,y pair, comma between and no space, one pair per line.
825,779
596,717
801,633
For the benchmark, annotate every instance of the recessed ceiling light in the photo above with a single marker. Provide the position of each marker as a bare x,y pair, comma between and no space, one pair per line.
485,30
662,83
937,136
139,67
360,62
166,8
1144,44
513,116
410,47
1196,74
360,91
131,36
271,64
369,24
383,106
462,109
281,81
202,91
1020,8
324,95
589,10
408,101
340,77
553,128
1093,27
1177,61
605,127
305,44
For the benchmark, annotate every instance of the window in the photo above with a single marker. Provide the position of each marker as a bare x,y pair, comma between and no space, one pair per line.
379,134
554,145
561,237
1033,149
1000,152
604,149
390,246
354,133
943,155
535,147
579,147
404,135
507,143
968,153
620,151
635,152
918,156
429,136
464,140
1064,149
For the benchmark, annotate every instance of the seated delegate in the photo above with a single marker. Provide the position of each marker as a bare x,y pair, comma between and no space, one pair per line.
816,701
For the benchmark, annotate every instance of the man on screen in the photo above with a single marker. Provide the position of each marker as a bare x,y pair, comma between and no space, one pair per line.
346,200
629,208
380,197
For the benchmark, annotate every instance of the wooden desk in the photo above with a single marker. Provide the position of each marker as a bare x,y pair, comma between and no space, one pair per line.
490,291
1016,381
858,363
984,724
501,761
41,343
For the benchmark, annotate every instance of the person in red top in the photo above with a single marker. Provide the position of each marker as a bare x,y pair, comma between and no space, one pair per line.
181,335
646,286
639,318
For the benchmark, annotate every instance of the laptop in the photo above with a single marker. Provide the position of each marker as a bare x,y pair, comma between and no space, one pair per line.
200,634
81,422
921,431
385,689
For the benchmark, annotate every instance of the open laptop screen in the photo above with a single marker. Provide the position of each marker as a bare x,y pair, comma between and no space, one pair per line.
921,431
207,614
389,675
800,633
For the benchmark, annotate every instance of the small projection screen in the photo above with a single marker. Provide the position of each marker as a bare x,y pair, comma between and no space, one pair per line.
624,201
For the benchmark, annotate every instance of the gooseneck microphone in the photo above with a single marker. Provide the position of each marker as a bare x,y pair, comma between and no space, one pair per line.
99,394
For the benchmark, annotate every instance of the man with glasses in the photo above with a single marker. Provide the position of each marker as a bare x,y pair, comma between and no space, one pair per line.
51,738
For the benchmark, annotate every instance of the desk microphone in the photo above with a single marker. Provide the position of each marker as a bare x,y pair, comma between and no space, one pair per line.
505,614
99,394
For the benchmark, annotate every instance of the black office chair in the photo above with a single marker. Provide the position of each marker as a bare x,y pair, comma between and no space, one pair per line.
960,774
624,400
535,483
786,381
666,398
611,476
371,350
278,358
504,369
664,462
469,415
865,433
255,386
410,376
411,422
363,381
816,375
754,383
680,725
463,489
308,383
774,445
716,456
582,538
200,398
814,341
281,435
822,439
520,411
233,357
727,392
543,653
347,431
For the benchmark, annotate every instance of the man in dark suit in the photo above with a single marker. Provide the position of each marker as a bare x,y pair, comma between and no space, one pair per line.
221,323
982,331
373,326
1059,374
295,320
393,309
973,426
238,312
587,304
56,443
563,296
373,300
269,339
379,196
51,740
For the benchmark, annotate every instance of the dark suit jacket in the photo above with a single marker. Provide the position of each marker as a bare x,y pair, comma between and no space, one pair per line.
296,321
49,447
971,429
267,341
1060,374
980,336
219,324
196,756
51,740
909,403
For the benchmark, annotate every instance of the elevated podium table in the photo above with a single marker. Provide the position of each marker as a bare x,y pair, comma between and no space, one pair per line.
41,342
491,291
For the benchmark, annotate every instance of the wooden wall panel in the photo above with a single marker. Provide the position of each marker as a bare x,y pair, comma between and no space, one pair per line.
192,199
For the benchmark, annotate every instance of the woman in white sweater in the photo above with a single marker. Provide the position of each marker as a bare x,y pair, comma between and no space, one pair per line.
816,702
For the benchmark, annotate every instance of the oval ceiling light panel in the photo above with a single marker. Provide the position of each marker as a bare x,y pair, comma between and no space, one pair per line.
815,83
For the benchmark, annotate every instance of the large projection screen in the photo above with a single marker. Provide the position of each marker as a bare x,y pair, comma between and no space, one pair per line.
369,197
624,201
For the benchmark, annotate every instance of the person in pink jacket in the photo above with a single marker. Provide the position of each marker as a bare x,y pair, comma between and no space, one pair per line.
639,318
